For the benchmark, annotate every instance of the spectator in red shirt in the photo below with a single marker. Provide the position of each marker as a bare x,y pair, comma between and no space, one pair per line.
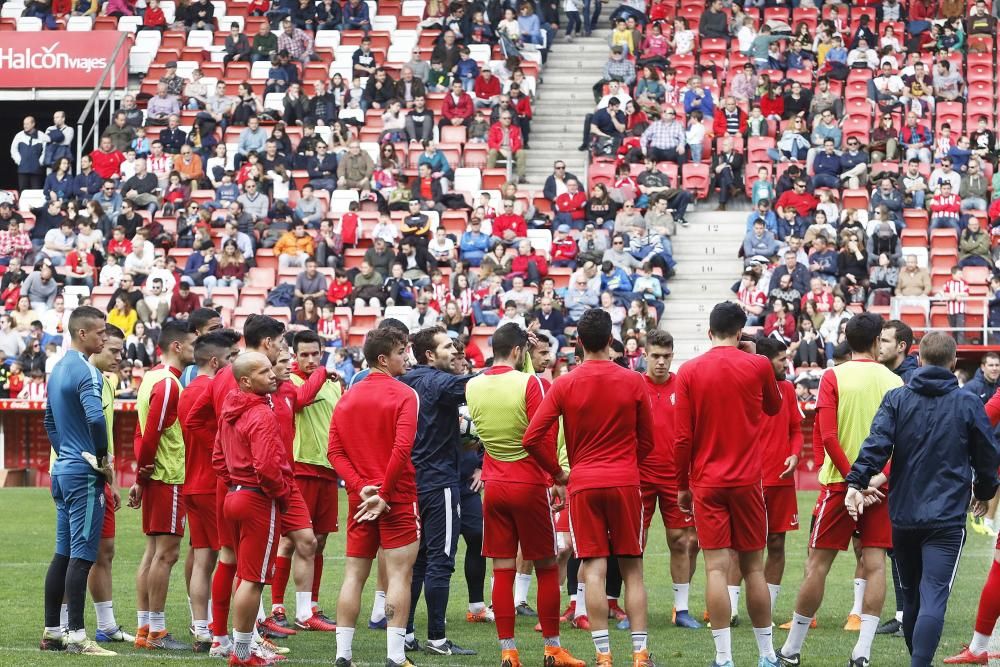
509,228
803,202
505,140
487,89
119,245
528,264
563,248
570,206
458,106
106,159
339,292
183,302
81,265
820,295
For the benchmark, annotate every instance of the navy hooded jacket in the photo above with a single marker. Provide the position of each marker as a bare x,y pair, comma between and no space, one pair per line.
981,387
906,369
941,445
437,449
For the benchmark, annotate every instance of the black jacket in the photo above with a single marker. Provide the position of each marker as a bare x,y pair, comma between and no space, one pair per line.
941,445
437,449
910,366
981,387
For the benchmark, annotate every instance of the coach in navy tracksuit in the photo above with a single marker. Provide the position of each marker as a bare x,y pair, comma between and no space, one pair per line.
436,456
941,445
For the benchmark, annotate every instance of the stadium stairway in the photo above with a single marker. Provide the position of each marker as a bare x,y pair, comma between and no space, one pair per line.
563,101
707,267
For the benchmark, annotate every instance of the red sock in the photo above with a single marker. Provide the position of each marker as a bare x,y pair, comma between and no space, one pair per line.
989,602
503,601
548,600
279,582
222,593
317,575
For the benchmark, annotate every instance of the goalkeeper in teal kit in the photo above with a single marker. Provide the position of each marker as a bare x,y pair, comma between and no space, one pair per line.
74,420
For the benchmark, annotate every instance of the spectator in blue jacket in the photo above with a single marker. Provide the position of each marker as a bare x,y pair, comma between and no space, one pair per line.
987,378
474,243
826,167
698,98
356,16
88,182
943,451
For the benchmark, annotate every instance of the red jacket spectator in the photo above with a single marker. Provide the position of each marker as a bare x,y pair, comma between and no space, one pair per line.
519,266
484,89
522,105
564,249
772,107
495,138
719,125
823,301
338,291
106,164
785,327
119,248
574,204
79,265
464,108
180,304
513,222
804,203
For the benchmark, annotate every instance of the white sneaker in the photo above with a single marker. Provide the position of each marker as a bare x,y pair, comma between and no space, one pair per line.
219,650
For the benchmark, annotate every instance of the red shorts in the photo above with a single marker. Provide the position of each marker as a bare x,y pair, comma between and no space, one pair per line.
296,515
162,509
561,519
399,528
108,527
227,534
516,514
606,522
202,523
320,496
782,509
666,496
255,519
834,527
730,517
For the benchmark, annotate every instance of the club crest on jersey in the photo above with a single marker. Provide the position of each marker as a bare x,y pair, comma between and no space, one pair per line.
673,399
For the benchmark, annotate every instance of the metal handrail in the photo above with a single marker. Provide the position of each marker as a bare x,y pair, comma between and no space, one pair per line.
97,105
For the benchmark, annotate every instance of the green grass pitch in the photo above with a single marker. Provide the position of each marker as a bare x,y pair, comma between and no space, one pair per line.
26,539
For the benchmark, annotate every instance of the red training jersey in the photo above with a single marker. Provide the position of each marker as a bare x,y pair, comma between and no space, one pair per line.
780,437
607,422
250,442
718,417
371,437
658,468
199,431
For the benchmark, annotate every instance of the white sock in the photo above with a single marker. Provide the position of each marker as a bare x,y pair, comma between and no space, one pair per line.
639,641
241,644
221,640
437,642
581,602
77,636
723,645
276,607
859,595
143,618
681,592
211,619
410,637
601,641
378,608
765,645
303,606
64,616
157,621
863,649
260,610
55,633
899,616
796,635
201,628
345,642
773,589
395,638
522,582
734,600
980,643
106,616
476,607
253,633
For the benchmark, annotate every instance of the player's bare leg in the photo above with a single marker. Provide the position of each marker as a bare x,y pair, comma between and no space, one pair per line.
142,594
166,550
200,591
356,572
733,588
986,619
637,606
683,546
807,602
246,602
188,568
774,566
377,620
718,563
594,574
318,568
302,544
758,602
100,587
